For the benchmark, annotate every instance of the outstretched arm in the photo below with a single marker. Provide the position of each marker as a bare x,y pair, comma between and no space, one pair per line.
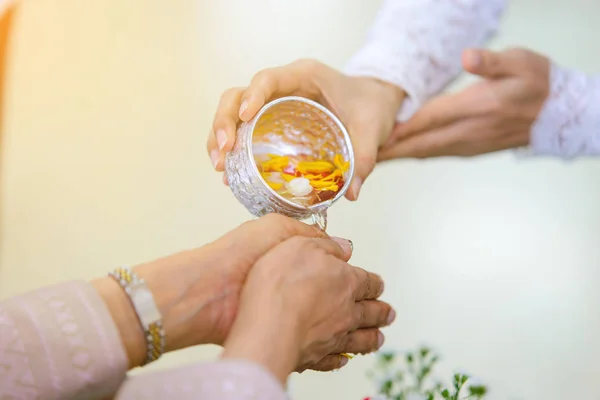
417,44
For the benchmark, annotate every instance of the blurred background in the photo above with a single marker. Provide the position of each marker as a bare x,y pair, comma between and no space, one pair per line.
492,261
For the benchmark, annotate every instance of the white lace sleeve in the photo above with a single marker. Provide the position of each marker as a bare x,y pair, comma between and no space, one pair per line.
568,125
417,44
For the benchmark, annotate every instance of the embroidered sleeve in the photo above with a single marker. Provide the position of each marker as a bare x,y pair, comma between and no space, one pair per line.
59,343
568,125
221,380
417,44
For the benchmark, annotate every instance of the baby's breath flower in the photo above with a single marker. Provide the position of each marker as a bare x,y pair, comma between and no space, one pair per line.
408,376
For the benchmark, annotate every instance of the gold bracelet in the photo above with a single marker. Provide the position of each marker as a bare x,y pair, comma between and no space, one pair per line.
146,310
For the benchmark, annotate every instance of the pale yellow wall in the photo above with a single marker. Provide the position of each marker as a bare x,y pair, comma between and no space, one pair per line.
494,262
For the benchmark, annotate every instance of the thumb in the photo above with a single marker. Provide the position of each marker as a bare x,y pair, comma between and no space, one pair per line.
490,64
365,158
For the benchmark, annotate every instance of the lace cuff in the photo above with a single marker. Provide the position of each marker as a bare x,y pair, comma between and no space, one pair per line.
385,65
568,125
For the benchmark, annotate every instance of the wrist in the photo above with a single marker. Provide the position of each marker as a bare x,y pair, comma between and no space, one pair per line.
269,338
191,295
189,304
390,95
394,94
125,319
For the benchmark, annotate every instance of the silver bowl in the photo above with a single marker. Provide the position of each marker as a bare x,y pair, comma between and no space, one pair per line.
286,126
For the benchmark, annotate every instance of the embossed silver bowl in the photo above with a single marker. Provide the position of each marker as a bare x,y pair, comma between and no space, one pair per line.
286,126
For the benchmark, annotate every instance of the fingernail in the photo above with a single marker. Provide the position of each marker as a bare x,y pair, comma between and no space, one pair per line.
345,244
351,245
380,339
343,361
355,187
221,138
243,107
391,317
215,157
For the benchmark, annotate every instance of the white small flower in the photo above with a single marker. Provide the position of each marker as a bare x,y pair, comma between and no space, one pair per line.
416,396
299,186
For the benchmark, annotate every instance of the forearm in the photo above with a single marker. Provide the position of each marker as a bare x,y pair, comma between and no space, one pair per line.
60,343
417,44
568,125
269,339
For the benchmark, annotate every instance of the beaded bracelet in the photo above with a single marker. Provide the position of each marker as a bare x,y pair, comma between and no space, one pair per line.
146,310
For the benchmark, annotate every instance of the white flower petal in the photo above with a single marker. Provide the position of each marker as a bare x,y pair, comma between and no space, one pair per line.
299,186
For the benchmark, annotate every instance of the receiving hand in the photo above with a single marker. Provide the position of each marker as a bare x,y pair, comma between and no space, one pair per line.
303,305
197,291
200,288
366,106
492,115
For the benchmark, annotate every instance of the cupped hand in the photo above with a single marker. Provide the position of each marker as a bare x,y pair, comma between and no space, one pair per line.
197,291
494,114
366,106
303,304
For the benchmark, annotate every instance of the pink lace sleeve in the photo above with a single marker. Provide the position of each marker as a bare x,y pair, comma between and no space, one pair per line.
59,343
569,123
417,44
221,380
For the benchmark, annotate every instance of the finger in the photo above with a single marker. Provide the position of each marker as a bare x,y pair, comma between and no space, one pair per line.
394,136
262,88
492,64
422,145
213,152
225,122
271,229
346,245
329,363
438,112
365,157
337,247
367,285
361,341
373,314
295,78
456,139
